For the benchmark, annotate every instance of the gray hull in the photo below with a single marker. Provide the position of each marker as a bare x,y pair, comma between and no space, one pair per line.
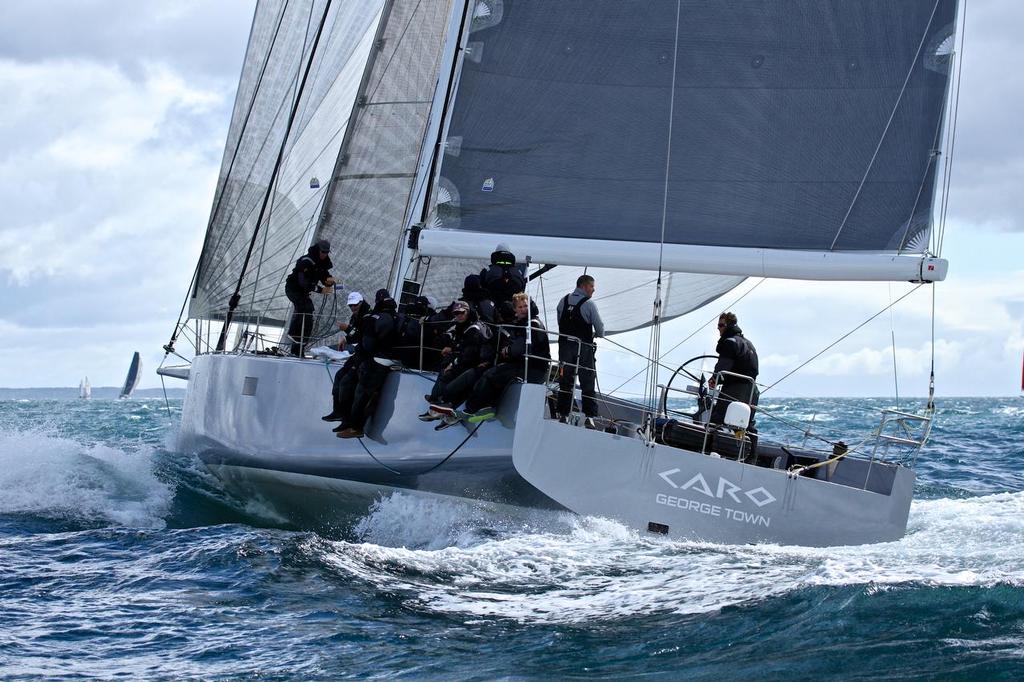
689,495
255,422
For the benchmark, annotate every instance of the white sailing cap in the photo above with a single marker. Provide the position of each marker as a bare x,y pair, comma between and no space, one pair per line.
355,298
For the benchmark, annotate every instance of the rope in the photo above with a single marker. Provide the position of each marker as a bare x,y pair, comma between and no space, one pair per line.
841,338
432,467
955,110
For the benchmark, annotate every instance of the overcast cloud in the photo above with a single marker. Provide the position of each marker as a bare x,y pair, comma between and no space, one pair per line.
111,136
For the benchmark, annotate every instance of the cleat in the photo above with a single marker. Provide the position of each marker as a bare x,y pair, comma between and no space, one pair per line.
589,423
351,433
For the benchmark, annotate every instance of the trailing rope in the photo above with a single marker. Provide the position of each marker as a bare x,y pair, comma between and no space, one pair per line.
429,469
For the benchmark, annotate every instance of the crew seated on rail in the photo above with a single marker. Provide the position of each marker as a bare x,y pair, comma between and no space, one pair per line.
468,351
359,390
523,347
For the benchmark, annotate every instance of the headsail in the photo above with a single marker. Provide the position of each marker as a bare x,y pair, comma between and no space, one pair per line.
623,296
132,379
279,49
759,133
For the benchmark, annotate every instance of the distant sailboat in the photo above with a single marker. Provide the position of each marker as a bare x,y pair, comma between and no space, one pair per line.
84,389
132,380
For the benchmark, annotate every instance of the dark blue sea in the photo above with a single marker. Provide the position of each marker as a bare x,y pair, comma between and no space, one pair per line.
120,557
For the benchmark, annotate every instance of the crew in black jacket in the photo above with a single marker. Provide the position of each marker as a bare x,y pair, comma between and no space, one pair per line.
503,278
478,298
312,272
467,353
736,354
360,310
360,389
525,337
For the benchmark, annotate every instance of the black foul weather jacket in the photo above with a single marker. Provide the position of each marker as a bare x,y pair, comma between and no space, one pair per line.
309,272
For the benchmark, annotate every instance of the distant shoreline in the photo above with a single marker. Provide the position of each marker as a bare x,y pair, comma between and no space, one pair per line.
98,393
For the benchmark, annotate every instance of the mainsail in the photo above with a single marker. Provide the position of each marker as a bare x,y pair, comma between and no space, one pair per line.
736,133
132,379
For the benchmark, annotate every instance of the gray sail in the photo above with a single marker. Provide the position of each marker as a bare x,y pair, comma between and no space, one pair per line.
625,297
804,125
279,48
376,173
132,379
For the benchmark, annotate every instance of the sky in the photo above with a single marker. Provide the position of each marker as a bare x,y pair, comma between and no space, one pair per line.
111,136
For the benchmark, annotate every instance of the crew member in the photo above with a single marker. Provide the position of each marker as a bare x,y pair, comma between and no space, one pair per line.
502,279
360,309
466,354
737,355
312,272
579,323
524,354
360,389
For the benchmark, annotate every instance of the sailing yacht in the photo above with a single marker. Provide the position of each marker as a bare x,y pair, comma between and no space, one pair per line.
132,379
84,389
671,147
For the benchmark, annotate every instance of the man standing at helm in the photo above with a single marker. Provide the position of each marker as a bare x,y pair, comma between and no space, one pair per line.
579,324
736,354
312,272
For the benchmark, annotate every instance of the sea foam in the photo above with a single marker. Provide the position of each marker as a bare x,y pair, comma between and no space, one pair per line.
54,476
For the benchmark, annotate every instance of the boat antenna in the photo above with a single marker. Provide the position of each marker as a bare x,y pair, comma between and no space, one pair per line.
236,297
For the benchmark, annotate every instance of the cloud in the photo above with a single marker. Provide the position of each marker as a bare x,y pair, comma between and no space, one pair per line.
106,179
989,155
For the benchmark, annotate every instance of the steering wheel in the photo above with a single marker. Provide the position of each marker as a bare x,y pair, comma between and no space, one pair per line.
687,371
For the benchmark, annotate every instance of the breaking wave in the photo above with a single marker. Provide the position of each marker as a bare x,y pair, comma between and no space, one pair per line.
556,568
52,476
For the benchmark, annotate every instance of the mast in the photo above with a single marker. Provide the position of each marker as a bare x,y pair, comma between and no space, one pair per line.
433,140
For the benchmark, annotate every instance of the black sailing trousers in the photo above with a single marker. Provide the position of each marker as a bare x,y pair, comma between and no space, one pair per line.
571,354
301,326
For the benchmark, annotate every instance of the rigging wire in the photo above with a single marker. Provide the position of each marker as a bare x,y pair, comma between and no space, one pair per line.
841,338
952,133
233,302
892,334
888,124
654,348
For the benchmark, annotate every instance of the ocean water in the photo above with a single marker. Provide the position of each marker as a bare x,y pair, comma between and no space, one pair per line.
120,557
